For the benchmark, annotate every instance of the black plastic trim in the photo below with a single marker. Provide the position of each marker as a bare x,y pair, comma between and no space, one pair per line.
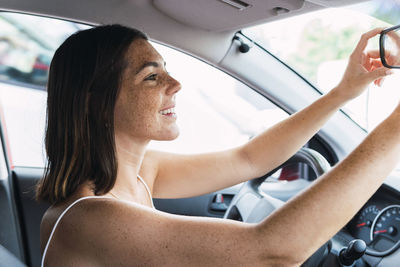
15,219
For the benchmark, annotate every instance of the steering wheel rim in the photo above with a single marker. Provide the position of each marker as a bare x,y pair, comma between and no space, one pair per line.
250,189
307,156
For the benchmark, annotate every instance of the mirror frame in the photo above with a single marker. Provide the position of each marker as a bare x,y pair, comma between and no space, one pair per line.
382,46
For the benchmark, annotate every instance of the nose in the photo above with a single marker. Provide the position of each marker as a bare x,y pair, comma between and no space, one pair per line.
174,86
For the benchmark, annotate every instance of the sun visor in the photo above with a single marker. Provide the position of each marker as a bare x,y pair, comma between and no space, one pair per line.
222,15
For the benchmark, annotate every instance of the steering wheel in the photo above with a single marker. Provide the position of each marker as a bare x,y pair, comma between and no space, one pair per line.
252,205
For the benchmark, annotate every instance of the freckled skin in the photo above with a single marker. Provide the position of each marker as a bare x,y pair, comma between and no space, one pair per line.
112,232
140,100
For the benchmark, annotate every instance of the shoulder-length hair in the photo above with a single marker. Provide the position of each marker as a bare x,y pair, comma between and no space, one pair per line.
84,81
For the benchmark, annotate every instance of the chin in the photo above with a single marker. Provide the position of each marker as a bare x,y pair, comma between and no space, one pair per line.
169,136
173,136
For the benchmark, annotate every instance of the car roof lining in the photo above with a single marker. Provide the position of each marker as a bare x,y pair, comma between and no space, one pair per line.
226,15
222,15
210,44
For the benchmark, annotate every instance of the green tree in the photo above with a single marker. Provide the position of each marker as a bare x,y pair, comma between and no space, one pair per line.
319,44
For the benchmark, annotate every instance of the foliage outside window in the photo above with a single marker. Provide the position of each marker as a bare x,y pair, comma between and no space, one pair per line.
317,45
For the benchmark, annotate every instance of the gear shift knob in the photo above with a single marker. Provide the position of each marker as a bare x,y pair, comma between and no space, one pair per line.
353,252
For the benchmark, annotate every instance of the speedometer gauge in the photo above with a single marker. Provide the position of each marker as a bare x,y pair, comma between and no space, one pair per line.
385,230
362,226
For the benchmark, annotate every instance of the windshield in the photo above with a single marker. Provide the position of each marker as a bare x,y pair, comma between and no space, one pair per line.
318,44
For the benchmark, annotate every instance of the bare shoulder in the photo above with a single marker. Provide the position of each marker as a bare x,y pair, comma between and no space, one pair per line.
76,215
116,233
126,231
48,220
113,232
90,226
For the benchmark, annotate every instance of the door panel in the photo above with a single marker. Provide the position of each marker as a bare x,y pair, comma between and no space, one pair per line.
10,234
31,211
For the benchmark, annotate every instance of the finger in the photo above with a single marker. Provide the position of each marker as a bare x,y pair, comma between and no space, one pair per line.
395,37
362,44
379,73
380,81
373,54
392,59
376,63
377,82
373,64
366,62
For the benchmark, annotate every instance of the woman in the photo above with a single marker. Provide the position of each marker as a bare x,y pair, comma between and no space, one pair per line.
109,94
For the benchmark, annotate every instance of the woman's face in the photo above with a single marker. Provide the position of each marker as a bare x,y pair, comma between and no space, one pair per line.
145,107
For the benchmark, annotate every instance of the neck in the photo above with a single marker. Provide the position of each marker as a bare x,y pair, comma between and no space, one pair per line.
129,154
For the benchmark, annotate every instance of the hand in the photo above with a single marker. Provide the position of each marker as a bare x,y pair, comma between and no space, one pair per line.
362,69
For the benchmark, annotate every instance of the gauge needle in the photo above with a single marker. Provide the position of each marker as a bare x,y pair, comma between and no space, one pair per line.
361,224
380,231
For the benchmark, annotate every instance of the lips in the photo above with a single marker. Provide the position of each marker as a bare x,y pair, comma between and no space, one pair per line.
167,111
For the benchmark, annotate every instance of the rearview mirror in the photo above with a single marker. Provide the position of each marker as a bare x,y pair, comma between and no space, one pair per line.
389,47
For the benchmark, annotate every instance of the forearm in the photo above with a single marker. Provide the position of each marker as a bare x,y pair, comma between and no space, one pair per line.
332,200
280,142
199,174
183,176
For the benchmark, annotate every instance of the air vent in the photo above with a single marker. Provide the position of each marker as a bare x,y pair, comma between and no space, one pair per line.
239,5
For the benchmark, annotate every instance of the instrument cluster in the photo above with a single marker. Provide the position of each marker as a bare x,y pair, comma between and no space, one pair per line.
378,222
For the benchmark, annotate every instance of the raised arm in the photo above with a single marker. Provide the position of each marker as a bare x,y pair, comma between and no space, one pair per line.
142,236
189,175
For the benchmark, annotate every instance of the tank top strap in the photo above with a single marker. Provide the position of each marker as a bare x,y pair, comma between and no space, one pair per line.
59,219
147,189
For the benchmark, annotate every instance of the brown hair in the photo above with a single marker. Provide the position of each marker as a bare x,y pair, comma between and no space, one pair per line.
83,85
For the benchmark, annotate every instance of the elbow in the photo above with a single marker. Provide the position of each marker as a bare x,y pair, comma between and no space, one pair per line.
276,251
279,260
245,159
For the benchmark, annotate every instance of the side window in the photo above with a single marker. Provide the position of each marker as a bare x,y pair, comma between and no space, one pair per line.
27,44
215,111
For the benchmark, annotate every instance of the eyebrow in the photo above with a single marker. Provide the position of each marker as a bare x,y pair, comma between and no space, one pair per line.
150,64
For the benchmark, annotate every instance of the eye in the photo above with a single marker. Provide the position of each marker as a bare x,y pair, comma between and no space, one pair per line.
151,77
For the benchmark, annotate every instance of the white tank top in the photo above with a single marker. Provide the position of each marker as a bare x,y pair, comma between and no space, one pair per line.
76,201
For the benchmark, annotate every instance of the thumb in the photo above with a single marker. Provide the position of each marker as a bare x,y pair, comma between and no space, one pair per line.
379,73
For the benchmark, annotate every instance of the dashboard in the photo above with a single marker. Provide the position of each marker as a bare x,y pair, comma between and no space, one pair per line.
378,224
378,221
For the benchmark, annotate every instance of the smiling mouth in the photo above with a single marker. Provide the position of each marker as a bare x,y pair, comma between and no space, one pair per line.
168,112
